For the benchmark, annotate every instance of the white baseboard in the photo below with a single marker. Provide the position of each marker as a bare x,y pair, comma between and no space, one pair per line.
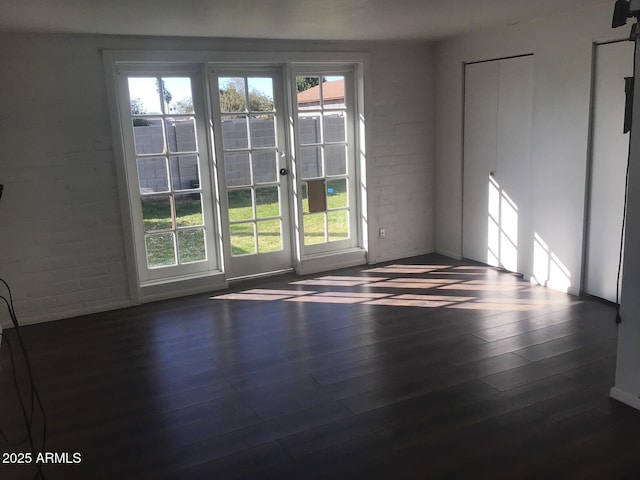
573,291
449,253
331,261
155,291
624,397
400,256
71,312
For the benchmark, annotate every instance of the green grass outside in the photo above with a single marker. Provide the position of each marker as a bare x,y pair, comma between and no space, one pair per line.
156,212
160,246
269,234
156,215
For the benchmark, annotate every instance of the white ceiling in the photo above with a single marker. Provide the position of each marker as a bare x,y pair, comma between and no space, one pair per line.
283,19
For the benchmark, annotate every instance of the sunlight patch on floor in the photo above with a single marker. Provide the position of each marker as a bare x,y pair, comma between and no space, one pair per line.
494,306
338,281
482,288
424,301
326,299
407,269
432,282
353,294
262,294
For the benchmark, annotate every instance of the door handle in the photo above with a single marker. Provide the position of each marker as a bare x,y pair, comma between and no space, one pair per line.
283,171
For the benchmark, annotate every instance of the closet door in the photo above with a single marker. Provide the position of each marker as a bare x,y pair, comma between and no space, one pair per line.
480,154
613,62
497,149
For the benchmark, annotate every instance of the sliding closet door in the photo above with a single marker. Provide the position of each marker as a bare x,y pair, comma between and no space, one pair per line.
480,154
497,150
613,62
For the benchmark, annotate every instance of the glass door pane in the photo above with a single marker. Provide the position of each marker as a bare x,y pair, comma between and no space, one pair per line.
166,151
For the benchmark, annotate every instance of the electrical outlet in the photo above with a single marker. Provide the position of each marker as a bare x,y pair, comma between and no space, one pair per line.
382,233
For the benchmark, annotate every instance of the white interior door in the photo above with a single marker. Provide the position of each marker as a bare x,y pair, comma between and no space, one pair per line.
497,150
253,170
613,62
511,176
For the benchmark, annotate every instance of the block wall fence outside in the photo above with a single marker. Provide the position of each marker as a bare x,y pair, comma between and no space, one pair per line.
152,173
62,241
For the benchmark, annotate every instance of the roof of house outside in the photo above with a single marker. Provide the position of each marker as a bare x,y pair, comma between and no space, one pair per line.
333,90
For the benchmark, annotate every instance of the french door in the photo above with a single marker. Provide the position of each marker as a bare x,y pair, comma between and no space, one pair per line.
252,165
243,181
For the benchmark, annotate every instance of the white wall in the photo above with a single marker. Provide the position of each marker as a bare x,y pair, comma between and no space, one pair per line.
61,246
562,46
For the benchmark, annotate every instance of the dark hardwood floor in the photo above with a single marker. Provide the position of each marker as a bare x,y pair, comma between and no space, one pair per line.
440,369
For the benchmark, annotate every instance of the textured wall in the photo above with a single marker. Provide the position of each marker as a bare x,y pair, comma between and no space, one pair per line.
61,243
